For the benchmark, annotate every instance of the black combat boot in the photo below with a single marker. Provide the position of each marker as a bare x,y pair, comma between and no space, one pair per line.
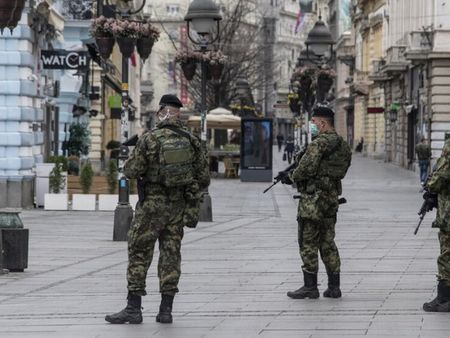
165,310
333,290
131,314
442,302
309,290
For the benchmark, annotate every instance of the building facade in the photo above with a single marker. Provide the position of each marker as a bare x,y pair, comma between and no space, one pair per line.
28,102
414,73
340,25
369,29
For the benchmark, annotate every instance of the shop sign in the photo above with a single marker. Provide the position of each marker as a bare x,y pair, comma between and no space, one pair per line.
375,110
62,59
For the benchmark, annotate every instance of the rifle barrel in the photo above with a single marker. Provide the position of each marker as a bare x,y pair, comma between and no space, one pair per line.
420,222
269,187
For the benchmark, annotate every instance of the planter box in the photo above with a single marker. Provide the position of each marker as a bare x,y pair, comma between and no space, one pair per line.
133,200
107,202
85,202
56,201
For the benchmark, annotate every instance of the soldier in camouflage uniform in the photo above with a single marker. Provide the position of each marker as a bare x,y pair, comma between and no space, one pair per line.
439,183
318,178
173,166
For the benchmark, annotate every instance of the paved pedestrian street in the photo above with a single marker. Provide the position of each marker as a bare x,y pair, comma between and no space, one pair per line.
237,270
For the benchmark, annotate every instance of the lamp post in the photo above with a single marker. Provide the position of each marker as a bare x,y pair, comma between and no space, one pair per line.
319,44
203,16
244,94
123,213
319,52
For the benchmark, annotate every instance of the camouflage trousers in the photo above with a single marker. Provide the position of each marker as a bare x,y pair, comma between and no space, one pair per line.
315,237
146,229
444,258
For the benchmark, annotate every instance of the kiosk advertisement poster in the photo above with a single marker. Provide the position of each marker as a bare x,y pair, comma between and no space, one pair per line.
256,150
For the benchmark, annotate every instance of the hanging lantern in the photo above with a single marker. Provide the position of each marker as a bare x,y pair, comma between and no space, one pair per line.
10,13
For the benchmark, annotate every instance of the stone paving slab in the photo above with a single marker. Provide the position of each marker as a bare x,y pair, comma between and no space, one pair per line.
237,269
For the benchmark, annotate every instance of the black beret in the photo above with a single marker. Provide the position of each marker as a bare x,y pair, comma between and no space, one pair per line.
170,100
323,111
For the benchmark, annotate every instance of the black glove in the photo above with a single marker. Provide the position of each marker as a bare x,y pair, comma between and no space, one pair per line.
431,200
284,178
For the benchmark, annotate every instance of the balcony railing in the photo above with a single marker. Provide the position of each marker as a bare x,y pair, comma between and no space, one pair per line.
420,41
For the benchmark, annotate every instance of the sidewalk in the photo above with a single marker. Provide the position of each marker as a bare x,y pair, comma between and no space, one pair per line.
237,270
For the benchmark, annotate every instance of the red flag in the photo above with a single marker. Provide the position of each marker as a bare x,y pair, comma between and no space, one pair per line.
300,21
133,60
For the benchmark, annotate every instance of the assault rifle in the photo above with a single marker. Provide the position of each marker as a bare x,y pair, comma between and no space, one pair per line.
429,203
341,200
285,172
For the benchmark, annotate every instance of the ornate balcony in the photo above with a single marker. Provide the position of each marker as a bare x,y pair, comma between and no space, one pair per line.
396,61
420,44
377,74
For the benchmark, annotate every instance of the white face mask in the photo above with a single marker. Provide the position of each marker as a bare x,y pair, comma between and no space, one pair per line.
164,114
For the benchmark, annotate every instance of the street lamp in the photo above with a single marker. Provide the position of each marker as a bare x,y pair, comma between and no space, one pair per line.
123,214
319,44
203,16
244,93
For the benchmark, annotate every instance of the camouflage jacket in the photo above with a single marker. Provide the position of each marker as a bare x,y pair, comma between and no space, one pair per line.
146,155
439,183
318,176
423,152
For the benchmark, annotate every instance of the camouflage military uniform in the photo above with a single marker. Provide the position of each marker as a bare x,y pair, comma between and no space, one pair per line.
161,215
318,178
439,183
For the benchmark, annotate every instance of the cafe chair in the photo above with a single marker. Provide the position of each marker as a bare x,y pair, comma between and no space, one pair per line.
230,169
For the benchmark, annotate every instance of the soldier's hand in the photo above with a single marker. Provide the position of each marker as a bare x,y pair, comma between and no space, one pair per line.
285,179
431,200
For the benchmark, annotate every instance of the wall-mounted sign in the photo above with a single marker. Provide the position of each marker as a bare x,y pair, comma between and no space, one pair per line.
375,110
62,59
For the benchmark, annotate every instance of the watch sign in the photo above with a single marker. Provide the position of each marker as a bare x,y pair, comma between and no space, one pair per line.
62,59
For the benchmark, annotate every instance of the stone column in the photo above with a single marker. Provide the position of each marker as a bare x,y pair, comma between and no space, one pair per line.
20,115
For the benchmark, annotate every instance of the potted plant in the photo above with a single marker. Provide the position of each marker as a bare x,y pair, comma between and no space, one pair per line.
305,76
101,30
325,79
216,61
294,102
108,202
249,110
63,162
188,62
10,13
148,34
78,143
55,200
126,33
85,201
235,108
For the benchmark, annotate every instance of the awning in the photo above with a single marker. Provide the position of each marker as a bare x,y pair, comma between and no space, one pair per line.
216,122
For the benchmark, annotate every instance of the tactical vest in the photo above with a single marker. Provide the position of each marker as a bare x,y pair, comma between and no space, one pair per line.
176,158
335,163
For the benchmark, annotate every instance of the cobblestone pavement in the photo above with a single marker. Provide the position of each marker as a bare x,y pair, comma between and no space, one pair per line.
237,270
